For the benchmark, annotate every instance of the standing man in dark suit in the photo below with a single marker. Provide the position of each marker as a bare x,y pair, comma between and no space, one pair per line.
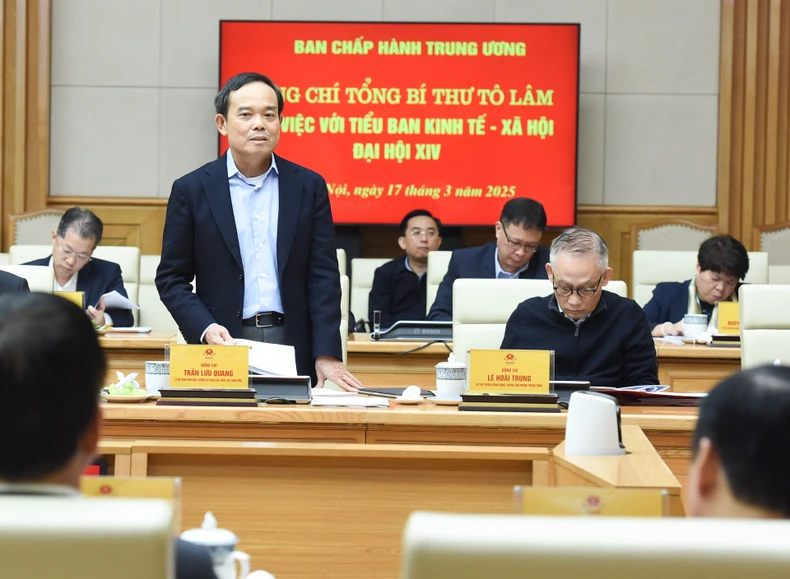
722,262
78,234
255,231
399,286
516,254
11,284
51,371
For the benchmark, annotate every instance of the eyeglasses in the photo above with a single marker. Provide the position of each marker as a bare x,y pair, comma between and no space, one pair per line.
68,254
583,292
429,233
515,245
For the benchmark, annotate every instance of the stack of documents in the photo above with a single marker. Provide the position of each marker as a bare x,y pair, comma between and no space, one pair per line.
270,359
326,397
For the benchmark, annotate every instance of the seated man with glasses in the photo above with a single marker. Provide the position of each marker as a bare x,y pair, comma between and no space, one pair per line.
399,286
516,254
77,235
596,335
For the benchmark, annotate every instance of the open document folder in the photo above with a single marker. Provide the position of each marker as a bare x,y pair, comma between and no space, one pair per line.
270,359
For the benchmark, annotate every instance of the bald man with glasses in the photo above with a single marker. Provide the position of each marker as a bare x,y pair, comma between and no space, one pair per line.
596,335
516,254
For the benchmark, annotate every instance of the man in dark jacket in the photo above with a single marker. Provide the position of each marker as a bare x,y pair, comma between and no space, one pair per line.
399,286
516,254
722,262
596,335
75,268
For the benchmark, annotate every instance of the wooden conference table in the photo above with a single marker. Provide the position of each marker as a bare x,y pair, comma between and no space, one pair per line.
325,492
685,368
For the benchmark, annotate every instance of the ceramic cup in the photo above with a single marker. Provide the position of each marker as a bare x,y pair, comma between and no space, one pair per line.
157,375
450,380
694,324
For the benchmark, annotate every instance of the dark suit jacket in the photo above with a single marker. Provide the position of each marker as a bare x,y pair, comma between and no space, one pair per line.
96,279
11,284
200,241
670,302
478,263
398,293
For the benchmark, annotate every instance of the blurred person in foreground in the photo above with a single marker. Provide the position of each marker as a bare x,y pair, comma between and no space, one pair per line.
51,371
740,447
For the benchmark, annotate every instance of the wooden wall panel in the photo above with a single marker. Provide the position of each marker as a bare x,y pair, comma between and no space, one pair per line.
141,224
754,116
24,106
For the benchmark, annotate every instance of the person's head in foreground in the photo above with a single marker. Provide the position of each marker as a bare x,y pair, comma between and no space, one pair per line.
578,268
51,371
73,242
722,262
741,446
420,233
518,232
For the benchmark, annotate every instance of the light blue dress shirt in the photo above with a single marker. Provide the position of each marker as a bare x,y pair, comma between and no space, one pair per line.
256,205
501,273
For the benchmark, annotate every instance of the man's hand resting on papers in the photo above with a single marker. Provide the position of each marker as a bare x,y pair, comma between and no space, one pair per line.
97,314
329,368
218,335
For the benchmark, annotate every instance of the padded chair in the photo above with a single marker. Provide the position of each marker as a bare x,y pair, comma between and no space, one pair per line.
33,228
765,324
39,279
467,546
19,254
777,274
129,260
341,261
362,270
153,312
653,267
775,241
670,235
482,307
5,259
438,262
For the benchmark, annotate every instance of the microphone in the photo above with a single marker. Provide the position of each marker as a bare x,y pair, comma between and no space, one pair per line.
376,324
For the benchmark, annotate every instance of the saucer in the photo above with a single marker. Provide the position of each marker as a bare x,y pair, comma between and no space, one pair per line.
126,399
401,400
446,401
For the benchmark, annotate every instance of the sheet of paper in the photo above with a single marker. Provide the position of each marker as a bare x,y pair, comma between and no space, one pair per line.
270,359
115,300
351,401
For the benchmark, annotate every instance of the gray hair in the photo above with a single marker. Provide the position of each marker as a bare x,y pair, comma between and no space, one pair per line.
580,241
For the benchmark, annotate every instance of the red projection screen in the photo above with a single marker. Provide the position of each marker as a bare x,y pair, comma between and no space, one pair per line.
453,118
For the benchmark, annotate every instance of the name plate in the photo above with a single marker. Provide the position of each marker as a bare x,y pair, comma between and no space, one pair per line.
74,297
510,371
729,318
202,366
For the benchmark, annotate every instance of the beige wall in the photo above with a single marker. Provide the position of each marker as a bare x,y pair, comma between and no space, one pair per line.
133,83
